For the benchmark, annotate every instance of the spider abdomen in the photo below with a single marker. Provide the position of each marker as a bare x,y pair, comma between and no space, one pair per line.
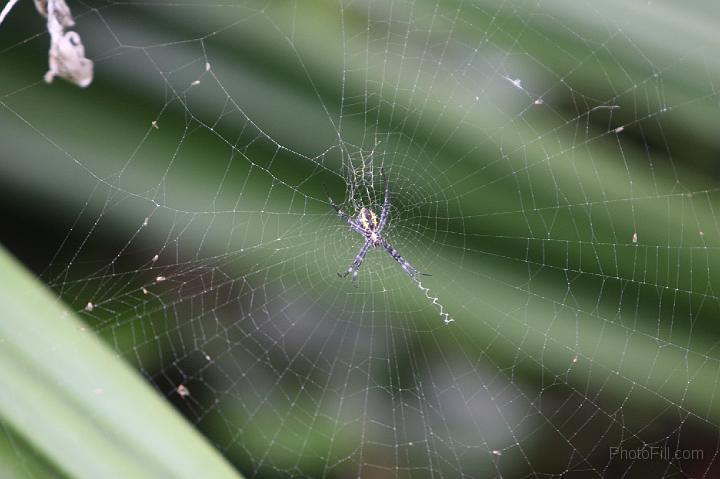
367,219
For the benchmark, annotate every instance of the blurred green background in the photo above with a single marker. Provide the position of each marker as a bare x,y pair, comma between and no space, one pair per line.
551,163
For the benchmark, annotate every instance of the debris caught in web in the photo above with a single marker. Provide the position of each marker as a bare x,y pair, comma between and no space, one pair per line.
66,56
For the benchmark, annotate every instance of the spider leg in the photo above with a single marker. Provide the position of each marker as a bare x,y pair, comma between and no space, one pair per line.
407,267
386,203
356,227
355,266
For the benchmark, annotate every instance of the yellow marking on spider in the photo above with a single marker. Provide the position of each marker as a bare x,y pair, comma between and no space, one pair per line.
363,219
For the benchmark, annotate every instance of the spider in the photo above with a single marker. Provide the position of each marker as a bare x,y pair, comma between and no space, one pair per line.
368,225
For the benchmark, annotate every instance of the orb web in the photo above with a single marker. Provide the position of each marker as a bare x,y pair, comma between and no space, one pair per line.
534,152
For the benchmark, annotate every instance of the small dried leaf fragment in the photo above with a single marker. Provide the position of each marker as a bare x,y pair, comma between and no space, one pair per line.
41,6
66,57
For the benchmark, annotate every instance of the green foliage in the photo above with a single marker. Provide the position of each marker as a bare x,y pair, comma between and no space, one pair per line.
78,404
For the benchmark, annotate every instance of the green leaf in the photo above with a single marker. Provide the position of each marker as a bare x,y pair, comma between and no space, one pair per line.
81,405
